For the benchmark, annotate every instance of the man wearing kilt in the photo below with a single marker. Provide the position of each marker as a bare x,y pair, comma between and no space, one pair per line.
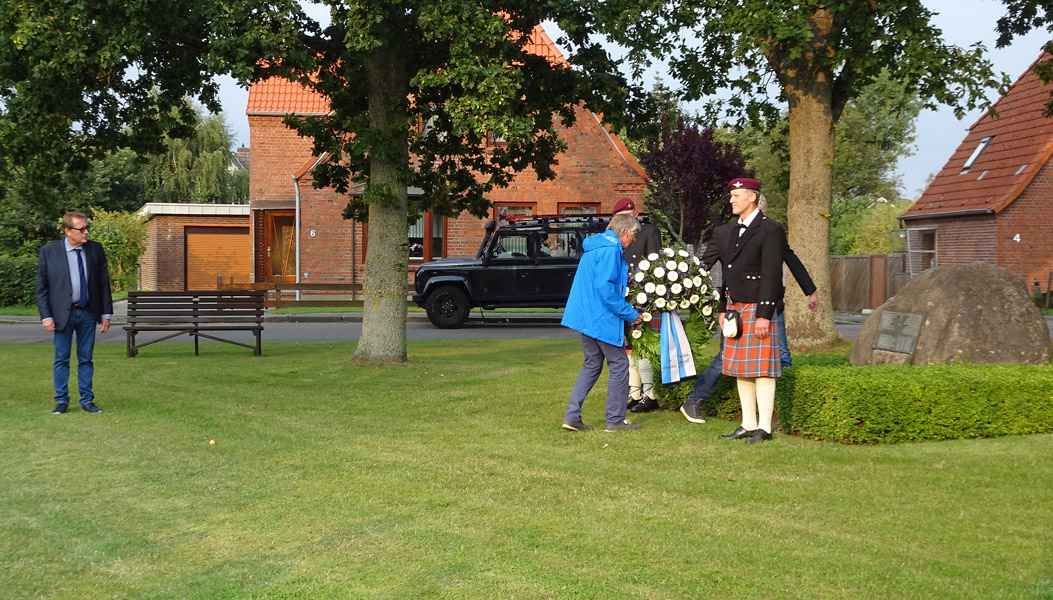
750,252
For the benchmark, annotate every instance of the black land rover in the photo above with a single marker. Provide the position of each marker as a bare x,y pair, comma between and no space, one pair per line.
524,263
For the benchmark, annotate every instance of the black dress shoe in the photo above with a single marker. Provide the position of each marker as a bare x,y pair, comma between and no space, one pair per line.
632,402
645,405
739,434
759,436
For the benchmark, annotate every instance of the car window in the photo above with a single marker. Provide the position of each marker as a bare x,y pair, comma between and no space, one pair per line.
511,245
560,244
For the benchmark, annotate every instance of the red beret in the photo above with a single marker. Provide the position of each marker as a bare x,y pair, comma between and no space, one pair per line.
744,182
624,204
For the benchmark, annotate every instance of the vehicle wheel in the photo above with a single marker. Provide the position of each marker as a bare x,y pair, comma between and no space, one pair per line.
447,307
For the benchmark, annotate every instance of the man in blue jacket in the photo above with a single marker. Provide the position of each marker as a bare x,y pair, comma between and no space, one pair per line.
597,309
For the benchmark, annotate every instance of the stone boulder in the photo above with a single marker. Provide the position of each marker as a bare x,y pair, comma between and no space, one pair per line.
975,313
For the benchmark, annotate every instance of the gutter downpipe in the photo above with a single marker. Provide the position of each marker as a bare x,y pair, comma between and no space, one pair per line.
296,186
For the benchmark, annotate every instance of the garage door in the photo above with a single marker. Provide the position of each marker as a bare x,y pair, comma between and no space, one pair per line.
212,251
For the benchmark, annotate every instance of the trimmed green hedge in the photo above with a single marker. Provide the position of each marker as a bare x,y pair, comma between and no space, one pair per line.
825,398
18,280
866,405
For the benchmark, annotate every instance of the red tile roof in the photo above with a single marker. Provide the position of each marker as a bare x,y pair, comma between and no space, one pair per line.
1021,143
277,96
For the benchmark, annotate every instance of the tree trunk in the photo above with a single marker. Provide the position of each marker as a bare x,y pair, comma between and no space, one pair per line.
387,251
808,210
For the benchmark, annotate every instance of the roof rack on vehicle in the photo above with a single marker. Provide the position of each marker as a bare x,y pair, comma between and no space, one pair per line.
513,221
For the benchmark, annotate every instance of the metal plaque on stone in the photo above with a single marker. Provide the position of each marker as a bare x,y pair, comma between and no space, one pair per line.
898,331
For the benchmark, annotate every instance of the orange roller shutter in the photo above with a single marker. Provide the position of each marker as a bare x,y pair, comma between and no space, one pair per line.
212,251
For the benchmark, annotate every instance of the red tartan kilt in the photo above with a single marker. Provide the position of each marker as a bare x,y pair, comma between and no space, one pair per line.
749,355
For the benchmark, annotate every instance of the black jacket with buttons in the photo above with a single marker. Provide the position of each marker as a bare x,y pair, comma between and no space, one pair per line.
751,263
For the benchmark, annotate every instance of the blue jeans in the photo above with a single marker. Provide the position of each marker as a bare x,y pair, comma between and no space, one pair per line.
82,323
784,345
595,352
707,381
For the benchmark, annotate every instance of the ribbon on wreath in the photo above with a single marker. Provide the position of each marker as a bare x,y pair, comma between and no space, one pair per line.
677,361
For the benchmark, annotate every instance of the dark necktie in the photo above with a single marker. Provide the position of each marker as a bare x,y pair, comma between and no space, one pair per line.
83,300
741,228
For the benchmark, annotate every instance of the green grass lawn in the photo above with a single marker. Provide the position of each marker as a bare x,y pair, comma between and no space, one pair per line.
450,477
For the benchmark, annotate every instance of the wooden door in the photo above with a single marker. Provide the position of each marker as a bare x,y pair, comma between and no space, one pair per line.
279,256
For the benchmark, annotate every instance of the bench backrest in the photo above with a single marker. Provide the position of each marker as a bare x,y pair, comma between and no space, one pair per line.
235,306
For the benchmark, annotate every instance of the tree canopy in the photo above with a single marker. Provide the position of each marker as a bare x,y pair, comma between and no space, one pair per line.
817,55
689,169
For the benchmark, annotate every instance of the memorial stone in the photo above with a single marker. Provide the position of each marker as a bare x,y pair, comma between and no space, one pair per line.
975,313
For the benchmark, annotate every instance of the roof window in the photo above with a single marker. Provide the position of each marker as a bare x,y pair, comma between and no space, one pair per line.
976,154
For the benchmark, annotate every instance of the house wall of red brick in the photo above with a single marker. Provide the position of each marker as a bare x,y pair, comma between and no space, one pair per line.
993,238
591,170
163,263
1031,217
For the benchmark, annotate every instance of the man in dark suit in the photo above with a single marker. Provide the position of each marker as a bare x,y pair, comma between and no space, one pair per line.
73,294
751,252
707,381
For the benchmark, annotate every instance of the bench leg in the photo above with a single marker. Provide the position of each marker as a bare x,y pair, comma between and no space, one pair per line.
258,350
195,344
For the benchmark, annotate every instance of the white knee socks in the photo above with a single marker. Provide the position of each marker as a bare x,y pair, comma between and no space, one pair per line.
757,395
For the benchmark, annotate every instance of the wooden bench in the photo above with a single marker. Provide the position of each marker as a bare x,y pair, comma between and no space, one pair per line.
198,314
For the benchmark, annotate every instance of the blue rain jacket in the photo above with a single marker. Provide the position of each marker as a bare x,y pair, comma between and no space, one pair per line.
597,306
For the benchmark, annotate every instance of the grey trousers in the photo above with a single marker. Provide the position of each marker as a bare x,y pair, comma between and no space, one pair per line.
595,352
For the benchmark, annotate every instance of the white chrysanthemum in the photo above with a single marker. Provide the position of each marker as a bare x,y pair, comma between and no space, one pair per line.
645,264
627,291
689,283
695,260
659,272
683,253
668,252
652,256
639,277
646,316
659,289
702,290
660,302
684,304
698,281
682,266
707,310
695,298
636,334
670,265
649,287
675,288
672,276
641,298
703,272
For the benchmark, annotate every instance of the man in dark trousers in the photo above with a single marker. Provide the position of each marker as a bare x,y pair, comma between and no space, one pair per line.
751,252
641,372
73,294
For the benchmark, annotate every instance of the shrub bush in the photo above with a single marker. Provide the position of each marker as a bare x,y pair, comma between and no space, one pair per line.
885,403
18,280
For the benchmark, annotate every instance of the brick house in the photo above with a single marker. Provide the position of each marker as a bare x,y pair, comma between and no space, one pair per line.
299,233
189,245
993,200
